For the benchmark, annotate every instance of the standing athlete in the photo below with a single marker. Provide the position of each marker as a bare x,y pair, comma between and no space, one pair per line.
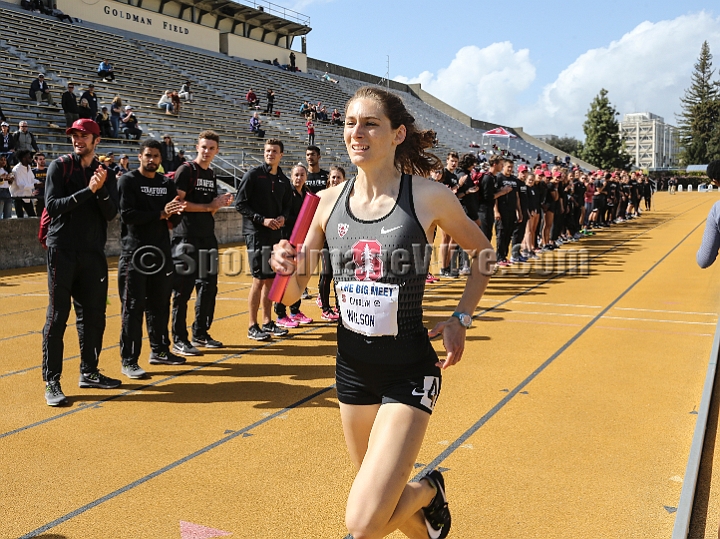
388,374
195,247
80,197
148,200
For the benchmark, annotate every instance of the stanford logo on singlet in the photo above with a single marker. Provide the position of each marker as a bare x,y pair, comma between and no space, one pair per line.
368,262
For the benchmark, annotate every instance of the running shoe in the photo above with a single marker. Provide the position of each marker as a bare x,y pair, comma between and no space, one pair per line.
287,322
184,348
464,271
446,273
318,302
257,334
166,358
306,294
330,316
206,341
133,370
300,318
272,329
437,514
503,264
431,279
53,394
97,380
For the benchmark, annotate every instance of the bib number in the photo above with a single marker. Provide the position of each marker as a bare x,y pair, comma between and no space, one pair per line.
369,308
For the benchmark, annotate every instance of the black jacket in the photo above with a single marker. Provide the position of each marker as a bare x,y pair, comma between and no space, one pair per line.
38,86
263,196
92,101
79,217
10,146
69,103
142,201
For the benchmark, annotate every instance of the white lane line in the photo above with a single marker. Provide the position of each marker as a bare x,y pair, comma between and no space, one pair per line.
559,304
659,320
662,311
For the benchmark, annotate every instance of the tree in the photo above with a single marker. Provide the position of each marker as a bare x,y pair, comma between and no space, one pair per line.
603,146
699,117
565,144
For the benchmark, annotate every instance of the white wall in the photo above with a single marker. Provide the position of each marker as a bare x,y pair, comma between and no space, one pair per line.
125,17
251,49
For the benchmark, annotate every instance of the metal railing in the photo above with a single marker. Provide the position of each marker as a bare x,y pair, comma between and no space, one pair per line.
285,13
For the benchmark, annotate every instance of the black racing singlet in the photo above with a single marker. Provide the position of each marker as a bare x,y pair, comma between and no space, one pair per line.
379,269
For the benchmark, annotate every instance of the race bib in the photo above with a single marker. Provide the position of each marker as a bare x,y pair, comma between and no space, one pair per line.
369,308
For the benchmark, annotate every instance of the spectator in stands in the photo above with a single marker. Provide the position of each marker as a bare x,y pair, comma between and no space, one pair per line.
40,91
105,71
322,114
116,108
175,98
5,197
7,141
336,117
252,99
292,61
24,139
167,152
130,124
255,123
311,132
276,63
40,173
103,120
304,109
181,158
23,184
111,164
70,105
2,116
84,110
55,12
185,92
165,102
329,78
124,164
270,100
92,100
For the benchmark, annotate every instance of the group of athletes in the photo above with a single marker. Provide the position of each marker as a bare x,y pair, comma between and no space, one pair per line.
388,375
535,210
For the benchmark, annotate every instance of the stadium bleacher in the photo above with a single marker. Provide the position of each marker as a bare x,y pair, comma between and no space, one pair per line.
145,68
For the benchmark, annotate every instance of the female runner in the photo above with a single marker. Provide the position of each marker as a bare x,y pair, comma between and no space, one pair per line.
388,375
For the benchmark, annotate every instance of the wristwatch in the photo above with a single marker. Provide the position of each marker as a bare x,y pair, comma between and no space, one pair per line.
465,319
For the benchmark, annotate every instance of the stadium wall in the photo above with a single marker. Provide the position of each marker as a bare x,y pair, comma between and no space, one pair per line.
21,247
234,45
322,65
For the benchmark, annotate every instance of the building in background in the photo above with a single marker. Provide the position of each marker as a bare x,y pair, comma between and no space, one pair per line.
651,142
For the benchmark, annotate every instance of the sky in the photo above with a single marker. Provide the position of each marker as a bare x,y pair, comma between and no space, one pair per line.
523,64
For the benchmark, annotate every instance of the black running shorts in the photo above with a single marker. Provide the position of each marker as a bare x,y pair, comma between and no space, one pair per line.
259,248
415,384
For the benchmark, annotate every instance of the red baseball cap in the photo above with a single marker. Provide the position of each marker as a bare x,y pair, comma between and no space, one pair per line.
547,174
522,168
85,125
543,166
557,174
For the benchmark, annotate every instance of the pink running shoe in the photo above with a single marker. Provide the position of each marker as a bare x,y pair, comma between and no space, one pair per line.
300,318
330,316
286,322
318,301
431,279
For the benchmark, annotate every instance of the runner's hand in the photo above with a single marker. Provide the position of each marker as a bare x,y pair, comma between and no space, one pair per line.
283,258
453,340
174,206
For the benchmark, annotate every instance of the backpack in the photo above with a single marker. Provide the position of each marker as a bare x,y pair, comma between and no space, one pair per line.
45,216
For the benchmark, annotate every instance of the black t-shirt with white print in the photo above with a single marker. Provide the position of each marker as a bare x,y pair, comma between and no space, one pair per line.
196,224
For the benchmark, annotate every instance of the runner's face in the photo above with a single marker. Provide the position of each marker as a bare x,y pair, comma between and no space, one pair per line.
207,150
40,160
83,143
436,175
272,154
150,159
299,177
451,163
369,136
507,169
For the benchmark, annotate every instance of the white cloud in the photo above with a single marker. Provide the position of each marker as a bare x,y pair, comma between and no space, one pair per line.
647,69
481,82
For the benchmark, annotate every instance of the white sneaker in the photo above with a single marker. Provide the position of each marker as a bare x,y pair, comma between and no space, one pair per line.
133,370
